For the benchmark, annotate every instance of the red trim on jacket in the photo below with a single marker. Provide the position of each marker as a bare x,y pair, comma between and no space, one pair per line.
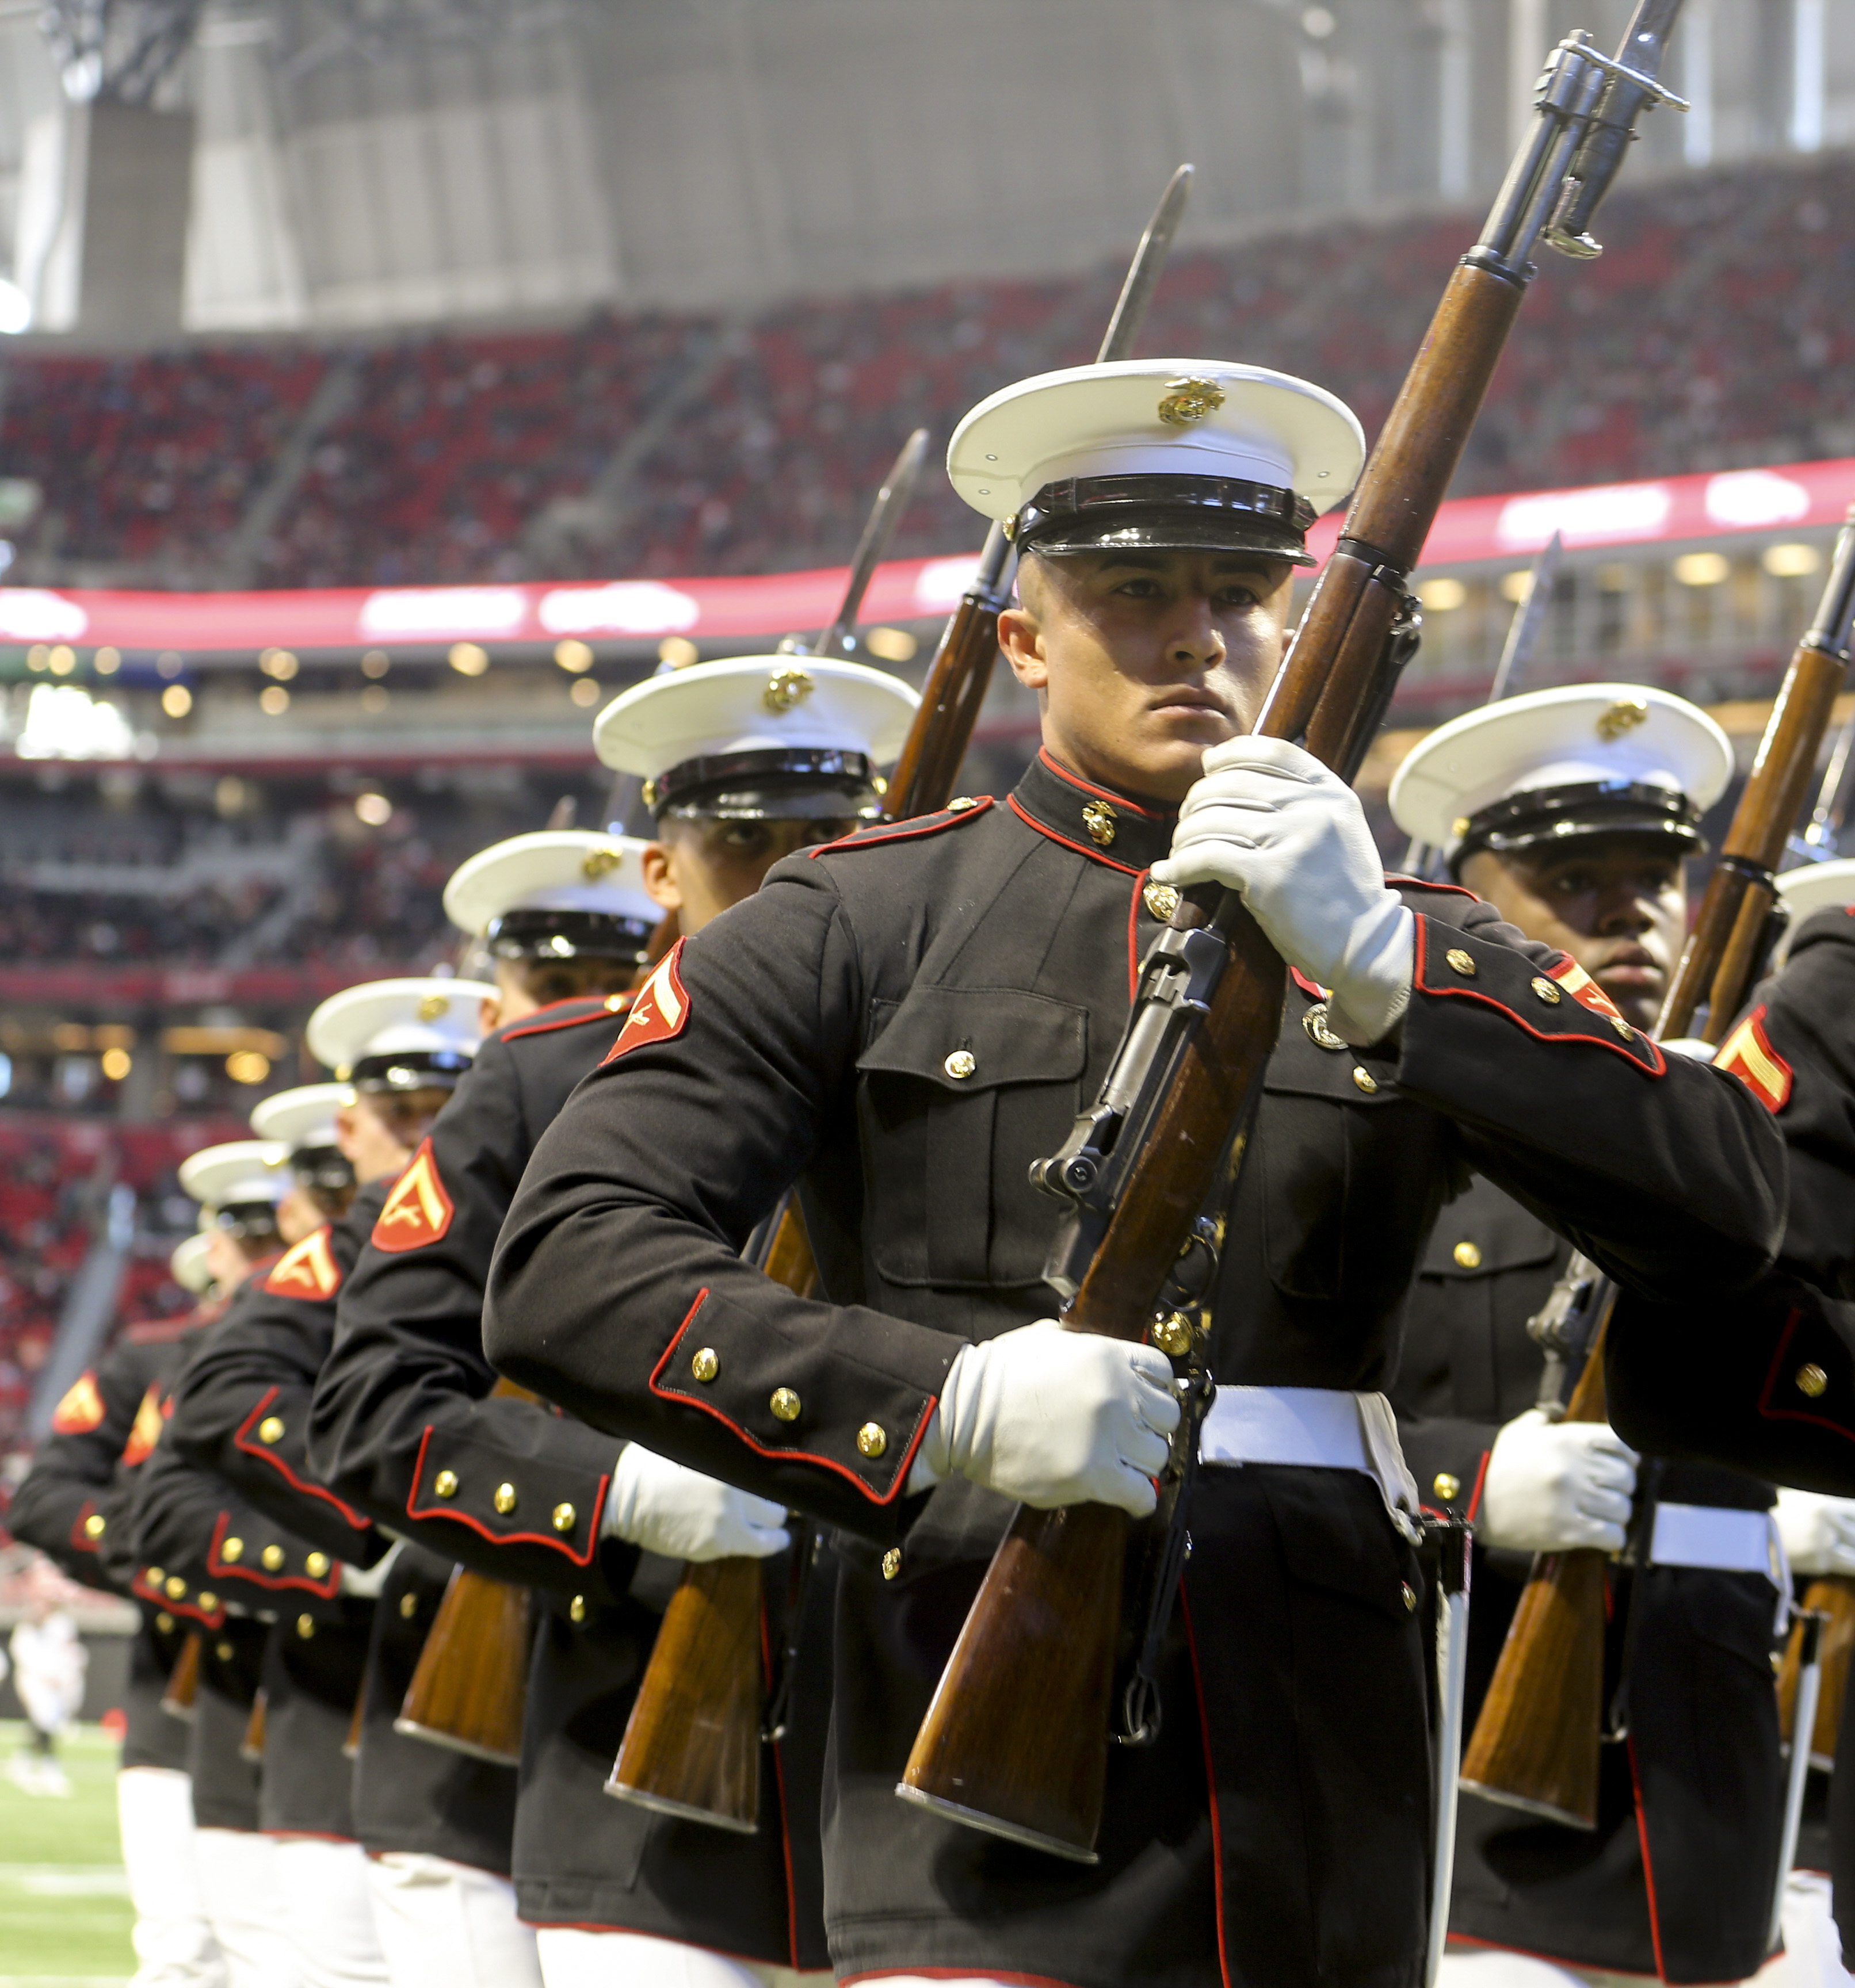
1474,1496
1657,1067
1211,1776
81,1541
359,1520
236,1569
1133,936
528,1025
1642,1836
930,824
1771,1381
1399,881
1094,855
790,1455
144,1591
1062,772
477,1526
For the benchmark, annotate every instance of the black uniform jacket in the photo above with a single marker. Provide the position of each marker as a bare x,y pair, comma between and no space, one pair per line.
405,1427
235,1449
1676,1882
1764,1381
906,1019
76,1495
241,1403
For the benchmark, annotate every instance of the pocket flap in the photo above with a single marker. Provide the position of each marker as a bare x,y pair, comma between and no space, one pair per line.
967,1038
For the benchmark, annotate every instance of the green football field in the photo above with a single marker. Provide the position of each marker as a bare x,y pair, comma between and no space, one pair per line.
64,1904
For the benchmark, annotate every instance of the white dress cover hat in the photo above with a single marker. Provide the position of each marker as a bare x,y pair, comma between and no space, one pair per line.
557,893
302,1118
1811,887
756,737
243,1173
1164,454
1551,765
400,1035
190,1266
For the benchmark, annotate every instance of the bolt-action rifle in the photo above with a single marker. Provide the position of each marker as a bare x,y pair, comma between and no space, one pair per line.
1536,1743
1015,1740
692,1745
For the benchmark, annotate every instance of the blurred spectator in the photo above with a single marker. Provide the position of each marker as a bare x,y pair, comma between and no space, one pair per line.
48,1666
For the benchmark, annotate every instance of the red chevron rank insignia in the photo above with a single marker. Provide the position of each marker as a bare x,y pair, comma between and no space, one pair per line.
147,1432
307,1271
81,1409
1747,1053
417,1211
1584,990
659,1008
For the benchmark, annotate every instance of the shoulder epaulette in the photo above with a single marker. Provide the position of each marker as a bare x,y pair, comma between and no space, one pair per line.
1398,882
572,1014
964,810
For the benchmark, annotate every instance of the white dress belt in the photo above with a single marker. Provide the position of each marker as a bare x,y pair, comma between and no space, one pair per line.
1330,1428
1725,1539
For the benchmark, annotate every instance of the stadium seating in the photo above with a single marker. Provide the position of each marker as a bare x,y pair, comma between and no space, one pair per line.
1716,330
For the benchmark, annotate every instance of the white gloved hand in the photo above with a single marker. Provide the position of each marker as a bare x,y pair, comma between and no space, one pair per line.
1697,1047
364,1583
1818,1533
1551,1485
1271,821
1054,1417
665,1509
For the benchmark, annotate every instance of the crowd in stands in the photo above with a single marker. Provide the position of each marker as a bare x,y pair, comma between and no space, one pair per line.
54,1179
1717,329
89,874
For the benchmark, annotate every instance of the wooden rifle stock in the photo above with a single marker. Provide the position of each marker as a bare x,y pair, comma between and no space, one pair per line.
350,1745
692,1745
251,1747
1832,1595
1536,1742
183,1686
470,1685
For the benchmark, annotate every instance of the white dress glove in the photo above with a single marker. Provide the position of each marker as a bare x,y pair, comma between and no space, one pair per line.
1818,1533
364,1583
665,1509
1551,1485
1054,1417
1697,1047
1271,821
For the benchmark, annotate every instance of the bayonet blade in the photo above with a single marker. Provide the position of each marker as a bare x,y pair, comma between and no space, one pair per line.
1529,618
897,493
1148,264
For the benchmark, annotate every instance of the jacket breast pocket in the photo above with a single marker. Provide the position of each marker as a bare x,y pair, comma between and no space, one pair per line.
959,1091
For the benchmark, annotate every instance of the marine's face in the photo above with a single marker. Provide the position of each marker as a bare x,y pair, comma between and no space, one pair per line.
1141,659
1616,904
699,868
227,1258
379,1133
298,1214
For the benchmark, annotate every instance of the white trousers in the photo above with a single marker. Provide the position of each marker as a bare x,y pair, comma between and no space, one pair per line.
1813,1948
443,1924
575,1957
329,1913
173,1936
245,1902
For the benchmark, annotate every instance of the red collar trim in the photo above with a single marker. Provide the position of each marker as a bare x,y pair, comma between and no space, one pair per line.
1094,855
1063,773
